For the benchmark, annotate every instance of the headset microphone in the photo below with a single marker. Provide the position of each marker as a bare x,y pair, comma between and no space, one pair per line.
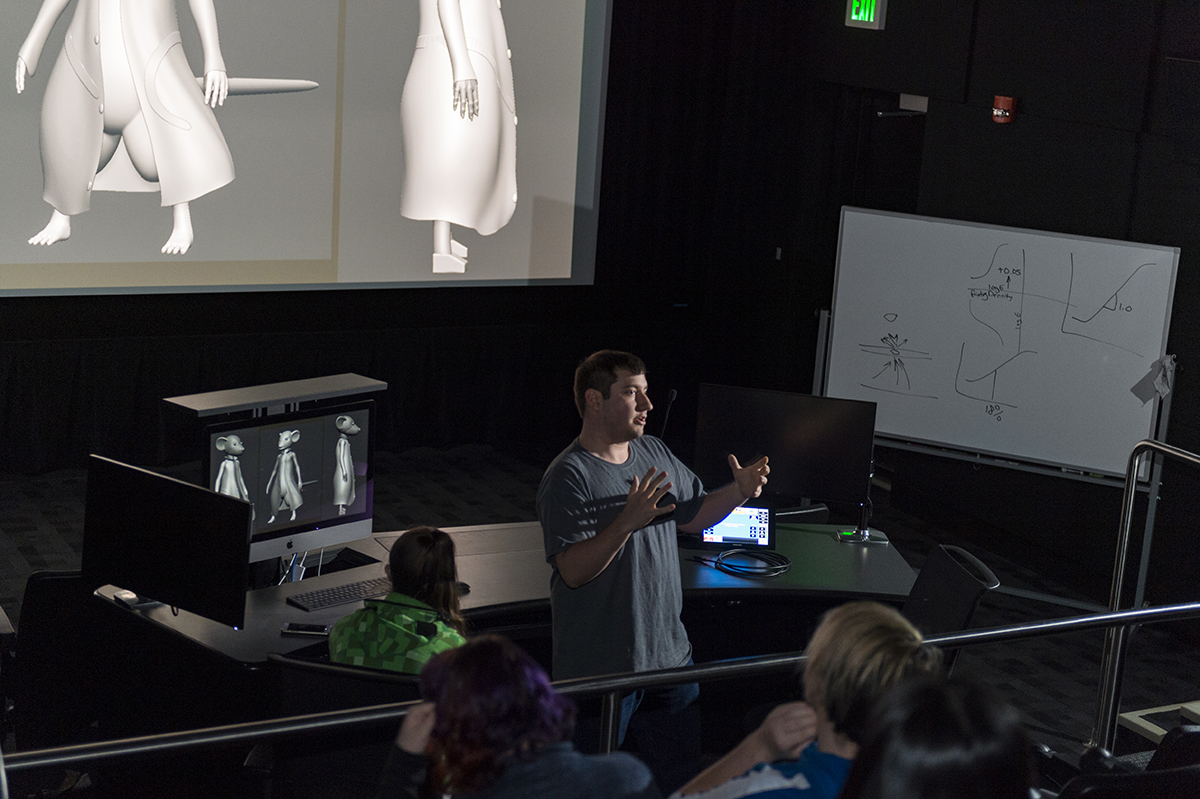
671,395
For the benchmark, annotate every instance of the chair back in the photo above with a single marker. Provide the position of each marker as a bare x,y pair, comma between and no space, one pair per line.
947,591
8,653
1171,783
1179,747
341,764
58,655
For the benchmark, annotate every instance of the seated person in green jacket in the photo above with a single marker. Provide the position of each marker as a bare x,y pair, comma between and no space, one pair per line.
417,620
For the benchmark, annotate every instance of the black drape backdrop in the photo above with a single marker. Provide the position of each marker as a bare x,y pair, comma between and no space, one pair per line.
734,131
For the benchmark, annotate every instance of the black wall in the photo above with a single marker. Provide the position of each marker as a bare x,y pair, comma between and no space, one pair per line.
735,129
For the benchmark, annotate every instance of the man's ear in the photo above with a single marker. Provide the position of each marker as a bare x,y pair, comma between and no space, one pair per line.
593,398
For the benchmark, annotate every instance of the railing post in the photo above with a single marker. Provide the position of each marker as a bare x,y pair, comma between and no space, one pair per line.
610,721
3,779
1104,729
1112,662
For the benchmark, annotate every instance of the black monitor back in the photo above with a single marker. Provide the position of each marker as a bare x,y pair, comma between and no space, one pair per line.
166,540
820,448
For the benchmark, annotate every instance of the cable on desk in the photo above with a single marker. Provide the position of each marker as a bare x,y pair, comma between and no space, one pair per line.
773,564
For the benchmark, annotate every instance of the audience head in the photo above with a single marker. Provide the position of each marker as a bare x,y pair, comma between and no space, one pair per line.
492,701
421,566
859,651
932,739
599,371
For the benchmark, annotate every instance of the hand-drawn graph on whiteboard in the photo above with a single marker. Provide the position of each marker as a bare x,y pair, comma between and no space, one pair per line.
1008,342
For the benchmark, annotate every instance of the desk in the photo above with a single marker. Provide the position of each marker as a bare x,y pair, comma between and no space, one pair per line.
510,582
177,671
822,566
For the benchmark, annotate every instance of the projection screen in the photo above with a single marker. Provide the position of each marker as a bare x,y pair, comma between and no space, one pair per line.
298,179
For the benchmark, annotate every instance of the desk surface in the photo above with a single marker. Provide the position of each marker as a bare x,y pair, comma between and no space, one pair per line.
505,566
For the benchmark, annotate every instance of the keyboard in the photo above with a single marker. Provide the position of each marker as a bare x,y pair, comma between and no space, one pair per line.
341,594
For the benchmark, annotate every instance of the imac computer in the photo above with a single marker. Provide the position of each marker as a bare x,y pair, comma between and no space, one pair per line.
820,448
309,476
166,540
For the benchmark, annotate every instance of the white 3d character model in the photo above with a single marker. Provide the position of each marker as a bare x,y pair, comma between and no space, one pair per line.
121,78
283,486
458,122
229,476
343,470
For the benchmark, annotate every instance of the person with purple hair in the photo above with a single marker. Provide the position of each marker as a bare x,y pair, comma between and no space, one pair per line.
491,725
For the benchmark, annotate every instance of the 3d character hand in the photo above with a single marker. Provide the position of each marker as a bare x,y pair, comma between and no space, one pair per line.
466,98
416,728
750,479
641,505
216,88
22,71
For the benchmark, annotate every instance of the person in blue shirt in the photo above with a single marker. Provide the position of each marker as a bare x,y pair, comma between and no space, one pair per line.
803,750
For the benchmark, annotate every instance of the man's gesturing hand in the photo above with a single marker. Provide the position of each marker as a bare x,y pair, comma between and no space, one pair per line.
750,479
641,506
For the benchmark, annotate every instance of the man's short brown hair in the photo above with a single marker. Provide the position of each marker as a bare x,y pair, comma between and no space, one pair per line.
599,371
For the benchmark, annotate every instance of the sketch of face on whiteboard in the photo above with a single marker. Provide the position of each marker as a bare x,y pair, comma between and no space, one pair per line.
123,112
458,121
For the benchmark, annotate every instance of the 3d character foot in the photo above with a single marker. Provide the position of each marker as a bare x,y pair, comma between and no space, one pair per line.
341,510
293,515
57,229
443,263
272,519
455,261
181,234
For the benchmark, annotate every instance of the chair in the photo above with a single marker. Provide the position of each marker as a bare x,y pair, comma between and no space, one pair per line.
1179,747
349,764
8,651
1170,783
946,592
55,700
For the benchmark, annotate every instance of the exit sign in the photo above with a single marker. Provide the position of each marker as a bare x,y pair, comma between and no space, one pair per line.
866,14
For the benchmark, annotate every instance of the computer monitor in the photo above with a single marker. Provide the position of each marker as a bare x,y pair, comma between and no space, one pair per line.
309,475
820,448
166,540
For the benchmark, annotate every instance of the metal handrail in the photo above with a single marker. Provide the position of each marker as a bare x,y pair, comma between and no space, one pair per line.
1104,732
257,731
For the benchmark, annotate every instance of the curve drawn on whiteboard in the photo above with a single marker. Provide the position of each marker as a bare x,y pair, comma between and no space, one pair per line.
1104,323
990,305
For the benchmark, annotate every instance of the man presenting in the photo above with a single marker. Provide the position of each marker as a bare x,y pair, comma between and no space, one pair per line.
610,505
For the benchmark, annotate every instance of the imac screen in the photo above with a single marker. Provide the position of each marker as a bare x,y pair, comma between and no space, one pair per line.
308,476
820,448
166,540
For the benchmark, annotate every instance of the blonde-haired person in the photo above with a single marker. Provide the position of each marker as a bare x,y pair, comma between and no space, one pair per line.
804,749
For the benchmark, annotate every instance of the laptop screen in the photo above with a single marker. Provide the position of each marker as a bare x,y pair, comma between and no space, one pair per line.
749,527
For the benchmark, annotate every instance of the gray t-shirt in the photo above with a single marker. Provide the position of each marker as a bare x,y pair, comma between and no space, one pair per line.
627,618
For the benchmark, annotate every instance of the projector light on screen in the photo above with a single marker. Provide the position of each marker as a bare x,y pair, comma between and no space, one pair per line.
869,14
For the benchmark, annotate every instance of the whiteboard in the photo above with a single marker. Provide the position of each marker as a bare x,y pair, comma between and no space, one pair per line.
1013,343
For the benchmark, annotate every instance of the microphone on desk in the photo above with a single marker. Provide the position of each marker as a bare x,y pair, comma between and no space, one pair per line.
671,395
